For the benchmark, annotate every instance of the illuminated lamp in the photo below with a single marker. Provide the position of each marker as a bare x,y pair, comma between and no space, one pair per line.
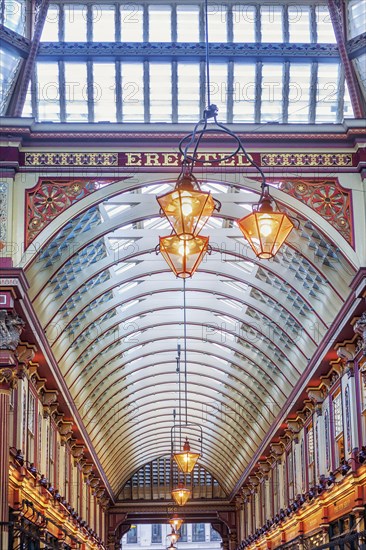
265,229
176,522
186,460
183,257
181,494
187,208
174,537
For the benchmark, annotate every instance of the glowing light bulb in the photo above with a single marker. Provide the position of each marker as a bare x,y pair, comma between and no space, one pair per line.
187,205
182,248
265,225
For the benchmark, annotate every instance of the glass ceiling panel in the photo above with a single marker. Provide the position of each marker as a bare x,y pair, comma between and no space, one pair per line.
188,24
51,25
188,92
76,91
299,23
75,22
244,23
104,89
326,105
160,96
48,91
299,92
8,69
13,15
244,92
217,22
324,27
132,23
132,76
138,86
160,23
103,19
272,81
356,17
271,24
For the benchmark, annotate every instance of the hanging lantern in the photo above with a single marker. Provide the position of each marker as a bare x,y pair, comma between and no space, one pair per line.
181,494
183,257
174,537
176,522
187,208
186,460
265,229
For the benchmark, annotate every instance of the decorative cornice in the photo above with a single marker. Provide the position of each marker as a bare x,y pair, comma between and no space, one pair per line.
14,278
127,134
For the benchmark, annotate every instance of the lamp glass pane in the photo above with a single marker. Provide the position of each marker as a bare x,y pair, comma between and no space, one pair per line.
181,495
186,461
183,257
187,210
265,232
176,523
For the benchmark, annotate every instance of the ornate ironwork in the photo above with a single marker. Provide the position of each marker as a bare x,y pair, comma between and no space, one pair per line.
161,49
327,198
15,40
51,197
356,46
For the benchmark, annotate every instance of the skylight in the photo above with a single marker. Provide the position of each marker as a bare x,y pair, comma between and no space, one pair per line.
122,81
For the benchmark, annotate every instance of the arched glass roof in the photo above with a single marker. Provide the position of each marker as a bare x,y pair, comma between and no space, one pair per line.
112,311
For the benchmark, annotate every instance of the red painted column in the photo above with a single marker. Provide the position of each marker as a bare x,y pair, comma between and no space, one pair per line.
7,379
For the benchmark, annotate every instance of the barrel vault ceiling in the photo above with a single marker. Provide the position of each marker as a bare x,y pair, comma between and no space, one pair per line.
113,314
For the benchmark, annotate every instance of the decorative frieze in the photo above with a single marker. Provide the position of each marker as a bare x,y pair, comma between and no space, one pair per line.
3,212
50,197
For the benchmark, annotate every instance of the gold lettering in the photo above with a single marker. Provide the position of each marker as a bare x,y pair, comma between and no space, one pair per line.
170,159
228,162
242,160
152,159
133,159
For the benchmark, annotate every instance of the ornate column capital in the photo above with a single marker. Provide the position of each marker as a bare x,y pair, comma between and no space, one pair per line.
239,504
11,326
8,377
360,328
